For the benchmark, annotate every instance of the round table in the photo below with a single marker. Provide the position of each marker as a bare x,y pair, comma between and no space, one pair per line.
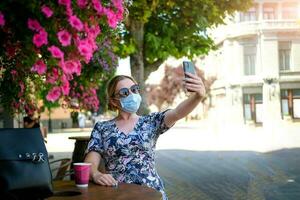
124,191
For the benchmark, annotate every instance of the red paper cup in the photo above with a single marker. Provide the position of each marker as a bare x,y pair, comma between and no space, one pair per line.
82,174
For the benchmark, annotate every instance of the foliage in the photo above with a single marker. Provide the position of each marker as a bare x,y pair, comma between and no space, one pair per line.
173,28
155,30
179,28
55,52
170,86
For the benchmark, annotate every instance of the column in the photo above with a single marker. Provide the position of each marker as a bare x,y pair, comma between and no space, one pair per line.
260,11
279,10
298,9
237,17
271,98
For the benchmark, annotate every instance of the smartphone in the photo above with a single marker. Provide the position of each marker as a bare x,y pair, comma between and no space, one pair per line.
188,66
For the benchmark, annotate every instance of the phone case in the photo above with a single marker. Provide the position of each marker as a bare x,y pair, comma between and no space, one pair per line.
189,67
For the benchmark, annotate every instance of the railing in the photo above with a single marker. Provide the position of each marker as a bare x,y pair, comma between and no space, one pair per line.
254,27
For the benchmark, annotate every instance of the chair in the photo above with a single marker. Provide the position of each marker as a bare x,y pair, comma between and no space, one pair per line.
61,166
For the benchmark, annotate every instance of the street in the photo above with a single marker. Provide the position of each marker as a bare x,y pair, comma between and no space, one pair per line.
196,162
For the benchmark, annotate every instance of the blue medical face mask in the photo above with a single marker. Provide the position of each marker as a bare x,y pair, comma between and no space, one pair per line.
131,103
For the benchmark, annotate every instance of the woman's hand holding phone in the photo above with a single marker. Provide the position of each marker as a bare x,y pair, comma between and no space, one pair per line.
192,82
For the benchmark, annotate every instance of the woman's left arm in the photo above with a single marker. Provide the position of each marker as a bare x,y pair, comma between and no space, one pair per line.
193,84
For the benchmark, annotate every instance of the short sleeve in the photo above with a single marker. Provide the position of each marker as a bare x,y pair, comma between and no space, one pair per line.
96,142
157,119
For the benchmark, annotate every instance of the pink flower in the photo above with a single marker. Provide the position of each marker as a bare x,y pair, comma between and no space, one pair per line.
92,44
71,66
98,7
65,2
118,4
85,50
33,25
2,20
69,11
111,18
81,3
16,105
78,69
120,10
94,92
119,14
39,67
69,76
56,52
93,31
64,38
75,22
65,86
13,72
47,11
22,88
52,77
40,39
53,94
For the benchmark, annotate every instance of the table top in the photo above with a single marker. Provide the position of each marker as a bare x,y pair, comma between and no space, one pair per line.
80,138
123,192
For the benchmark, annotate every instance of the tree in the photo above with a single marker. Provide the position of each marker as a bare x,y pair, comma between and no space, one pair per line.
56,52
165,92
155,30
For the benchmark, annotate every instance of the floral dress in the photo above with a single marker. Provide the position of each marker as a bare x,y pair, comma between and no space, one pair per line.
130,157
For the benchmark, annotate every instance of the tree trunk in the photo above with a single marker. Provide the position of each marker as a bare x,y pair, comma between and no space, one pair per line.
137,61
149,68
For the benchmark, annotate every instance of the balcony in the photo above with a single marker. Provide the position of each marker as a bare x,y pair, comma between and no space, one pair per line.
254,27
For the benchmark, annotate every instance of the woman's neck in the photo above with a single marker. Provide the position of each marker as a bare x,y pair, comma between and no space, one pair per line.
126,116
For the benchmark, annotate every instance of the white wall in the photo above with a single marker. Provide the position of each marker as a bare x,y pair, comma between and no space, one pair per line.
270,58
295,55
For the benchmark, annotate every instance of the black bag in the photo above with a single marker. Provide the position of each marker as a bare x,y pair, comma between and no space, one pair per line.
24,165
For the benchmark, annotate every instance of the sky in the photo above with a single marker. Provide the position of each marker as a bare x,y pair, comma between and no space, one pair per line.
124,69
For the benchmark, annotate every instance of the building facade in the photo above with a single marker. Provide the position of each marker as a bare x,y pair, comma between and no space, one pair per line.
257,64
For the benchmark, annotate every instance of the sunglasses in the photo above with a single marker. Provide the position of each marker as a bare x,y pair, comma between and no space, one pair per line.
124,92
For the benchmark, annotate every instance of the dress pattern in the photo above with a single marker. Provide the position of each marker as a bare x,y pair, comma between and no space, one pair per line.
130,157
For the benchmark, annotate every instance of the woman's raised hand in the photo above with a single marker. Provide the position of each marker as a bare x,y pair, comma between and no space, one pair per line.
193,83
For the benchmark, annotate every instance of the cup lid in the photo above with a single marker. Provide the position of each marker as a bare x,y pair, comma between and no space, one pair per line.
82,163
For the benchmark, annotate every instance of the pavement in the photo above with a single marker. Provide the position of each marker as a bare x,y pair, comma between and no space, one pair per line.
230,175
199,161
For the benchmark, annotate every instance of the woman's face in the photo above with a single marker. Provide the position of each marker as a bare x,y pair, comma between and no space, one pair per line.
125,83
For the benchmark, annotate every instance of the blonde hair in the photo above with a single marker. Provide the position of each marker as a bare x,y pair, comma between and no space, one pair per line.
111,87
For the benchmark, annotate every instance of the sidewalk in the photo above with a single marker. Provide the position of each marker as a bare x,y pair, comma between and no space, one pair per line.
198,160
201,136
205,136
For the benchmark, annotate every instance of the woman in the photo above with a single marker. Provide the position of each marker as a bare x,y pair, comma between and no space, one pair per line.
127,142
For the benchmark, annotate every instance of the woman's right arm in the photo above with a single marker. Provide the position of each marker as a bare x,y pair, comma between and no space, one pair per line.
99,178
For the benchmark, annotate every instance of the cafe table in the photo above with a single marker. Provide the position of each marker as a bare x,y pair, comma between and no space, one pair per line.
123,191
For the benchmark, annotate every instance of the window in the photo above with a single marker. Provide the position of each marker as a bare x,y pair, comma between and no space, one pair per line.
249,59
289,11
253,107
284,51
250,15
290,103
269,11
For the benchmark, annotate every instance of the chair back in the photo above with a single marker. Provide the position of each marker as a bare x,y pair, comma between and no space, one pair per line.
62,168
